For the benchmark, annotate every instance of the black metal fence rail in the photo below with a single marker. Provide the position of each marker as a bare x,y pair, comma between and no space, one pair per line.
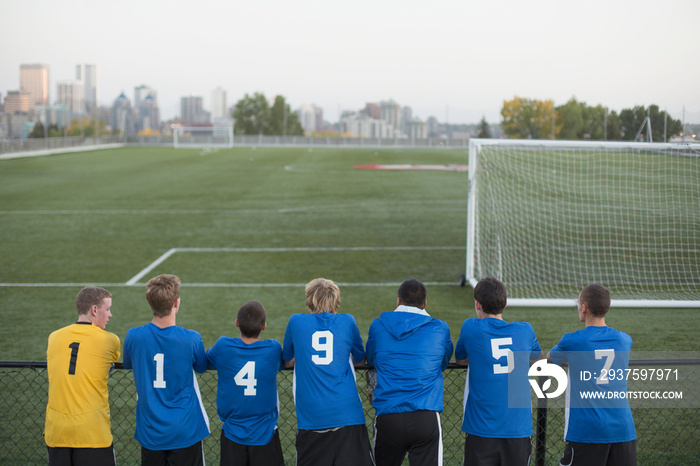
667,434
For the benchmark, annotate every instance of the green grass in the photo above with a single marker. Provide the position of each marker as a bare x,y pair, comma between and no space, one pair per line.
102,217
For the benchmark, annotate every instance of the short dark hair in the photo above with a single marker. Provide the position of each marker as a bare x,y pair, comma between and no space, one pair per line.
90,296
251,319
491,294
597,299
412,293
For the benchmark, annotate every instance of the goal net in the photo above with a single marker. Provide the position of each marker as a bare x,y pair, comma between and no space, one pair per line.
550,217
203,137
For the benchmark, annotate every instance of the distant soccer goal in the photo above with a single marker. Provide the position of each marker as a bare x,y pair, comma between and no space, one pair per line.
549,217
203,137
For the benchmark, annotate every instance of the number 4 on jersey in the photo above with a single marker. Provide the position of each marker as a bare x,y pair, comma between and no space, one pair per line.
246,378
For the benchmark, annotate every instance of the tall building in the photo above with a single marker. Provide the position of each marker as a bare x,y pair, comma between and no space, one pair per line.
191,111
141,92
311,118
72,95
218,104
391,113
35,80
149,114
373,111
87,75
121,114
18,102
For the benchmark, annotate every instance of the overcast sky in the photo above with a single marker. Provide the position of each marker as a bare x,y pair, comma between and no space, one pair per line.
457,60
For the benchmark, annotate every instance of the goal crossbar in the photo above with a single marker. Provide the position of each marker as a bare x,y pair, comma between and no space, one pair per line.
549,217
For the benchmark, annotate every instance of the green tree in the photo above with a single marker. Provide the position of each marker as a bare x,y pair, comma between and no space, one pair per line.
284,122
484,131
527,118
37,131
252,114
569,122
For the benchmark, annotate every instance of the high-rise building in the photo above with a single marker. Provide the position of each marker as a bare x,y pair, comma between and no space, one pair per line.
72,95
141,92
373,110
121,114
218,104
35,80
149,114
311,118
191,111
391,113
18,102
87,75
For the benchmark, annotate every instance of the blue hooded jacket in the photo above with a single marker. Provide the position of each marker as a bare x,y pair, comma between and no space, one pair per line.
410,350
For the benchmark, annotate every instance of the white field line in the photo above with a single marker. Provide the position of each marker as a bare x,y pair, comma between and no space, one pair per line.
152,266
134,280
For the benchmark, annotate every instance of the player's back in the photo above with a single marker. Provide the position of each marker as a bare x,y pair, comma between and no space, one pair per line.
497,391
325,389
169,411
246,399
597,406
79,358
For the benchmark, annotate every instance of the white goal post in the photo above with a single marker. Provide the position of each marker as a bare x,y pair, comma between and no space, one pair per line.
550,217
203,137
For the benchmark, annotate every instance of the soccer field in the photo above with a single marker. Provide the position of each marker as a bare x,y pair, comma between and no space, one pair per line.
249,223
255,223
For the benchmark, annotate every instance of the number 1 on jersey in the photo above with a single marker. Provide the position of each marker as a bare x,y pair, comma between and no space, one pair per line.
160,381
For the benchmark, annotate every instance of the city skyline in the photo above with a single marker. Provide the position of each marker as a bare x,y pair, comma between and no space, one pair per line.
454,61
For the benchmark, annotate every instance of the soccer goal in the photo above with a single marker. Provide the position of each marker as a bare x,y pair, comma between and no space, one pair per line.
550,217
203,137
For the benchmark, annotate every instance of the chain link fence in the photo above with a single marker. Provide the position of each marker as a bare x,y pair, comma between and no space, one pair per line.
667,434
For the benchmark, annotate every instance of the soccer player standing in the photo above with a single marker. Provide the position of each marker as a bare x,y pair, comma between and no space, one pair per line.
170,418
246,398
409,349
599,430
321,346
497,407
79,358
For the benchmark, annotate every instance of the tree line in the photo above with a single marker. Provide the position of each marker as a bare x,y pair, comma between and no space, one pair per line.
254,115
540,119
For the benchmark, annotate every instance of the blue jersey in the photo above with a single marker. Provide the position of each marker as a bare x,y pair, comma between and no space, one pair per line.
325,390
169,410
497,392
410,350
246,398
597,409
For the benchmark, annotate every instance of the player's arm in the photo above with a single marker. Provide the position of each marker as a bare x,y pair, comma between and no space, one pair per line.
550,360
289,364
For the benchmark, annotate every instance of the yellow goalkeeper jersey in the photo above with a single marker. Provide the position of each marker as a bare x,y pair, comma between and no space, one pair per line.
79,358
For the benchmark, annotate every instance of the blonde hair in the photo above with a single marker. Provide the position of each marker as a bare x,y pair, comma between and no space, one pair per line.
161,293
322,295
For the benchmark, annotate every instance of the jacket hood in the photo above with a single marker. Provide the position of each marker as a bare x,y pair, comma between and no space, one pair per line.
402,324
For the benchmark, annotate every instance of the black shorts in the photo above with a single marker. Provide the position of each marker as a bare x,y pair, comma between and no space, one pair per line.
417,433
234,454
603,454
63,456
191,456
483,451
344,446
